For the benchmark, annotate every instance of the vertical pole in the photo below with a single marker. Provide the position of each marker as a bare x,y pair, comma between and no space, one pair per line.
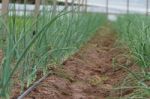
128,6
82,3
37,7
66,3
36,13
107,7
18,1
72,6
147,7
85,5
72,3
54,7
45,2
5,4
79,5
5,10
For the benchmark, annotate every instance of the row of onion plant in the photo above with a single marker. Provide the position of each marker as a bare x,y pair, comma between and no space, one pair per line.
33,43
134,31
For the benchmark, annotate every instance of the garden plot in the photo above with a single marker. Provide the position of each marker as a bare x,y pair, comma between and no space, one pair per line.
91,73
74,54
33,44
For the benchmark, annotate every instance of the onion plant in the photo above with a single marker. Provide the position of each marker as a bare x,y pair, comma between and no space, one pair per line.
134,30
34,42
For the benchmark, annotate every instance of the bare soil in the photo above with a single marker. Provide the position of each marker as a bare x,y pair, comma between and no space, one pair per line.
90,73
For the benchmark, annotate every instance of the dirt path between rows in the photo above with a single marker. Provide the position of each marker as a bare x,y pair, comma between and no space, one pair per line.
89,74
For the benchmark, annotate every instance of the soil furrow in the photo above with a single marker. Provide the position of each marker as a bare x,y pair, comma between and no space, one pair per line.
90,73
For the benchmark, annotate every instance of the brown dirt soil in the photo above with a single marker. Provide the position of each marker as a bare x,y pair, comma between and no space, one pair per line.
89,74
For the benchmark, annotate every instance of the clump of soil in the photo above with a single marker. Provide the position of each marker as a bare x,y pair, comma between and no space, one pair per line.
89,74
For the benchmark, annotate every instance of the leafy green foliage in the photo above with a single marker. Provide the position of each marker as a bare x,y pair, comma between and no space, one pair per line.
34,42
134,31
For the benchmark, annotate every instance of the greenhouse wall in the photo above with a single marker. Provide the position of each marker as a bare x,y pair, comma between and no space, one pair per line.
102,6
